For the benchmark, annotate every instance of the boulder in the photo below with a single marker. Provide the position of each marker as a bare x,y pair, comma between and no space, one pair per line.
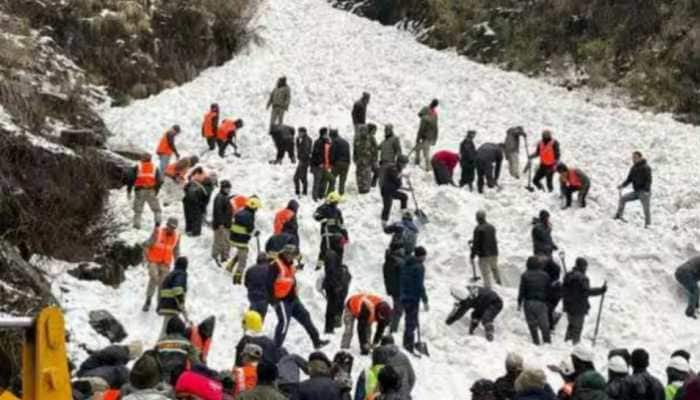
110,274
82,138
124,254
129,151
106,325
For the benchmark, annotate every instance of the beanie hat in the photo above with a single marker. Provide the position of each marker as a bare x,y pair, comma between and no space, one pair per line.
146,372
530,379
181,263
420,251
135,349
389,379
175,326
172,222
319,356
583,353
386,340
544,214
514,362
252,321
618,365
640,359
581,262
384,311
681,353
679,364
267,372
293,205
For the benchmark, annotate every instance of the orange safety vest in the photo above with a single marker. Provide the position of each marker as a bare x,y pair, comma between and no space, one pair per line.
225,127
281,218
164,148
200,344
547,156
356,302
208,131
238,202
145,175
245,377
111,394
327,156
161,251
572,178
285,279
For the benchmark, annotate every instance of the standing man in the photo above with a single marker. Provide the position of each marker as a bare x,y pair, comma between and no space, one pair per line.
467,160
171,296
210,125
542,242
359,111
412,292
391,187
548,152
444,163
222,214
335,284
197,195
576,290
573,180
389,151
427,132
256,281
161,249
286,299
303,145
166,147
688,275
333,233
226,135
340,160
534,284
489,158
404,235
485,246
512,149
241,231
279,101
640,178
365,156
320,163
367,309
147,180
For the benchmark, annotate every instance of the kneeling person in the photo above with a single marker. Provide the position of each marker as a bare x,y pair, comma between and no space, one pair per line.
366,309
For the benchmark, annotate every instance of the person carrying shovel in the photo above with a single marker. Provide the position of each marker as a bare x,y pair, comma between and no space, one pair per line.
576,290
485,246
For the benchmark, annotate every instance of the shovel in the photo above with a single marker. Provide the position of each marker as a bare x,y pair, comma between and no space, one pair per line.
528,168
421,346
422,218
562,258
597,320
475,277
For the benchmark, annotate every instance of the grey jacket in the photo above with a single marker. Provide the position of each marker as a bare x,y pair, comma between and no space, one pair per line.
280,98
389,149
402,364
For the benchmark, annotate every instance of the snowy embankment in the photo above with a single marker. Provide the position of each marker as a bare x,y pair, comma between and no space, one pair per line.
329,58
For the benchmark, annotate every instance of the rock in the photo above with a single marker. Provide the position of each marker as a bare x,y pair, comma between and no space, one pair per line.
82,138
126,255
139,91
110,274
106,325
129,151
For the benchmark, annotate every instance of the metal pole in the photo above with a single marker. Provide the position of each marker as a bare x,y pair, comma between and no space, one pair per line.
16,322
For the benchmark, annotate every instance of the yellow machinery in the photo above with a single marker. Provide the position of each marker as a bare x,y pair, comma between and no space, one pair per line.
45,373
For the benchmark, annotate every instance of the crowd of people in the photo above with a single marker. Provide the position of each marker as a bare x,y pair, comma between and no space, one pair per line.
263,368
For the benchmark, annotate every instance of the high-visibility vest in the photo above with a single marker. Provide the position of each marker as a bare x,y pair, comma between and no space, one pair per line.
145,175
573,179
225,127
356,302
245,377
111,394
164,148
281,218
200,344
285,279
161,251
208,128
327,156
547,156
238,202
372,381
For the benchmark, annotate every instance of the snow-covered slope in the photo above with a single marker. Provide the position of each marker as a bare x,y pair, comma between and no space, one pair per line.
329,58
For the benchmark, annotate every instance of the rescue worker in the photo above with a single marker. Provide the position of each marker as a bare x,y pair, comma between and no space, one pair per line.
147,179
276,243
340,160
197,195
532,294
640,178
644,385
160,250
286,221
367,309
566,371
201,335
542,242
389,151
222,215
485,246
245,376
226,135
467,160
412,284
256,280
505,385
486,305
489,158
573,180
444,163
283,138
391,186
512,149
333,233
242,229
210,125
266,388
172,293
427,132
303,145
618,387
178,170
166,147
367,385
397,359
279,100
253,333
175,352
404,235
576,290
359,112
320,385
320,163
335,285
677,373
548,152
688,275
365,156
286,300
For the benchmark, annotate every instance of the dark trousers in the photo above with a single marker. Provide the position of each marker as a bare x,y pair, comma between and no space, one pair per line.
334,310
442,173
211,141
396,315
332,241
690,284
300,177
340,172
411,324
222,147
293,308
542,172
575,327
536,315
260,306
485,174
582,193
467,177
284,146
316,194
387,199
193,218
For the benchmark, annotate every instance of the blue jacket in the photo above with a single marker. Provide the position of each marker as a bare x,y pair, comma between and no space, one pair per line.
172,292
257,281
243,227
536,394
412,281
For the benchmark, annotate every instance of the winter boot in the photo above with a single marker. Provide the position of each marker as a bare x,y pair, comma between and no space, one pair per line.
489,331
321,343
146,306
473,325
690,312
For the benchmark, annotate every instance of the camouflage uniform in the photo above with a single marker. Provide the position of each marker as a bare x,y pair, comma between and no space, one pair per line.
365,157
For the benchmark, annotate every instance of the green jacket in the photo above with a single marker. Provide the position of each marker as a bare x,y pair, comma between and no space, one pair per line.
262,392
364,147
428,128
590,385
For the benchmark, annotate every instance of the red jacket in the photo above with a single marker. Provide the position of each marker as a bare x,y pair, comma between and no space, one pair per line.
448,158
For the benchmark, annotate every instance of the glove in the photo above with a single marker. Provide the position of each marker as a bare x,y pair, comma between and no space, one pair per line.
237,277
256,233
619,187
300,266
426,307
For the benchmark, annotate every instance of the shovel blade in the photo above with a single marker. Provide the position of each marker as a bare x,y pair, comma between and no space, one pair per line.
422,217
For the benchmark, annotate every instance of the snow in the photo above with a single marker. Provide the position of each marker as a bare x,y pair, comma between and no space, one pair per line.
330,58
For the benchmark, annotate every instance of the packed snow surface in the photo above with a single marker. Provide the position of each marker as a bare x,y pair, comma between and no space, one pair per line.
330,58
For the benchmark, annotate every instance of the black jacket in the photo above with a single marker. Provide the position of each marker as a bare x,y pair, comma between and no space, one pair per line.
639,176
271,353
534,285
318,388
485,299
109,364
303,148
337,277
244,225
505,386
690,268
484,243
644,386
542,243
317,152
359,112
467,152
331,219
171,299
276,243
257,280
392,181
222,213
340,151
196,196
575,292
